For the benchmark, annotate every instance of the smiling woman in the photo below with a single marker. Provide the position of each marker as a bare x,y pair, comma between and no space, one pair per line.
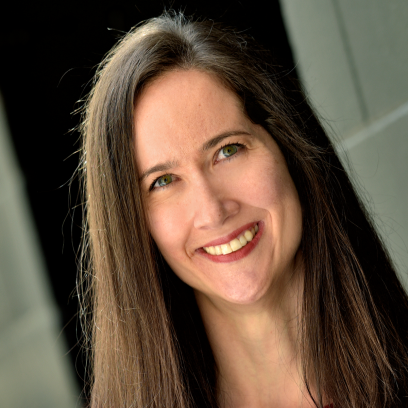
231,263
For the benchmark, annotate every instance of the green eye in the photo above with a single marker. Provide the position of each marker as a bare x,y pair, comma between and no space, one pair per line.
229,150
164,180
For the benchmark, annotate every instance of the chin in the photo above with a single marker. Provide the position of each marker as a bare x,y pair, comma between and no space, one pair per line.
243,294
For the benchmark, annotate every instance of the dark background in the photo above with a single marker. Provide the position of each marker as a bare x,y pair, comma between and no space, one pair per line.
49,53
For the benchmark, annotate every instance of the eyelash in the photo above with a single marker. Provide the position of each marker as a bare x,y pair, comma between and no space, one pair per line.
239,145
151,188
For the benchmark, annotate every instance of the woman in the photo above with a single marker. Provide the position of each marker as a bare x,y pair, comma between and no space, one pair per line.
231,262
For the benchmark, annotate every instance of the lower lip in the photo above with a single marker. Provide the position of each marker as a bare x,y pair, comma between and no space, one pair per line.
237,255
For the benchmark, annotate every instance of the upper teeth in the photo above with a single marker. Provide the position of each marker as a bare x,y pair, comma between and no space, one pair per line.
235,244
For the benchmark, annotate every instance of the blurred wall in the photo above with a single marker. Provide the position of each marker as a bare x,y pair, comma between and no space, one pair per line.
352,57
35,370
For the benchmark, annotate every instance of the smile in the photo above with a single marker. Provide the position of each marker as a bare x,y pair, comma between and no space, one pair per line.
235,244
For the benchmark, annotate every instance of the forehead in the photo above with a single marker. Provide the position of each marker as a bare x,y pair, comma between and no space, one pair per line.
179,111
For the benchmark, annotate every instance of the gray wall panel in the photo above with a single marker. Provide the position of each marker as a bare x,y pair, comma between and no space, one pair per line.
377,31
323,61
35,370
353,59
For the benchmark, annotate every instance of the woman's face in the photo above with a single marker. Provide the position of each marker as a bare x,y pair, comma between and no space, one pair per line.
222,207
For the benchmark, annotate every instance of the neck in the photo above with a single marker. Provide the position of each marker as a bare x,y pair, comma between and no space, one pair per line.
256,347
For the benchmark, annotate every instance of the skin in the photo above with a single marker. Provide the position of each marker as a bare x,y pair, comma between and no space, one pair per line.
249,306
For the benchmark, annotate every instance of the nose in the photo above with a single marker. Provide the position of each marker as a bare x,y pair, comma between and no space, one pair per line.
212,205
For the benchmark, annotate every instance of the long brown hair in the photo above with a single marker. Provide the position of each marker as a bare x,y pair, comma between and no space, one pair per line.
147,341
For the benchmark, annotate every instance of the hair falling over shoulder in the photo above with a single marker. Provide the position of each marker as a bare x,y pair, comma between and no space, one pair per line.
146,340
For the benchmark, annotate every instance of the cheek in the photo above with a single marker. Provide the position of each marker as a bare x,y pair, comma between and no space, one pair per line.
262,184
268,186
165,224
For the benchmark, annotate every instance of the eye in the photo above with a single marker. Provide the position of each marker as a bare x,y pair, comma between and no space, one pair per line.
228,150
162,181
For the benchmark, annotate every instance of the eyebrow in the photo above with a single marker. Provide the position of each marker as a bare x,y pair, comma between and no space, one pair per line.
206,146
159,167
217,139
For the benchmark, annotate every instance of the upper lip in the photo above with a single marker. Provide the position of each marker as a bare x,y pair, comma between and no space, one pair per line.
227,238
